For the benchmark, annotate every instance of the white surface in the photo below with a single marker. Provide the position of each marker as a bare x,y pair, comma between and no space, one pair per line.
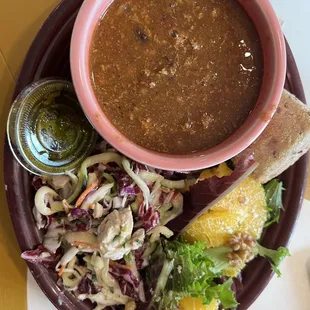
36,300
292,290
296,17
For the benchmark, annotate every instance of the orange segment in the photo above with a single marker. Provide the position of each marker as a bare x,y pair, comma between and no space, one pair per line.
213,228
220,171
232,271
189,303
242,210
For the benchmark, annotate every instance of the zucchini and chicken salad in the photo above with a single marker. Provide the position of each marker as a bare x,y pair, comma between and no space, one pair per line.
113,232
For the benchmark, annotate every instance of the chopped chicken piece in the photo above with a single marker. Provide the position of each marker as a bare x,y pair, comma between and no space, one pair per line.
58,181
61,184
115,229
114,234
136,240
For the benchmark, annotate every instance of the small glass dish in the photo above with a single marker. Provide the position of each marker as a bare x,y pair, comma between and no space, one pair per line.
47,130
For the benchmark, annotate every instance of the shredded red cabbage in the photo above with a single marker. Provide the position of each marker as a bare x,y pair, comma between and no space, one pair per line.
128,282
127,289
87,286
125,273
126,186
149,217
137,167
42,256
140,261
37,182
81,220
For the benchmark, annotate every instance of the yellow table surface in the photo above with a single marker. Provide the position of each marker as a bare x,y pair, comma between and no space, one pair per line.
19,22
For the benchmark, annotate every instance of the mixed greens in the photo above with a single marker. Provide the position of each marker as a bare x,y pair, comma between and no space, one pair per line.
109,235
188,270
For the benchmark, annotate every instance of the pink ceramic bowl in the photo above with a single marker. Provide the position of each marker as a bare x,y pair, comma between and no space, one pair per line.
274,52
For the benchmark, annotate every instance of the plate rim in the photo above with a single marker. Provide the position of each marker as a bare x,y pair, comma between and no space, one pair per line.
66,10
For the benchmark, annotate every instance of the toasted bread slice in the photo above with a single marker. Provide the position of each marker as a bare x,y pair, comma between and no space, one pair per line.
283,142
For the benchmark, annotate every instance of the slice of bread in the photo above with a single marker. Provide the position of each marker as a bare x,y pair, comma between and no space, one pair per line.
283,142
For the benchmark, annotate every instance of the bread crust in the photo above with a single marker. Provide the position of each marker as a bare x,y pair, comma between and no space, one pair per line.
283,142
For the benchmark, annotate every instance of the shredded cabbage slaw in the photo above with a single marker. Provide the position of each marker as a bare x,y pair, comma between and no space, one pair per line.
100,234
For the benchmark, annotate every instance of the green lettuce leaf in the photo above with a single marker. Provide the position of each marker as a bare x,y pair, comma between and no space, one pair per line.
225,294
273,192
191,270
218,256
275,257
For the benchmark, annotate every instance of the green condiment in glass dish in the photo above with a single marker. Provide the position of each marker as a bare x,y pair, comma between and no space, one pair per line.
47,130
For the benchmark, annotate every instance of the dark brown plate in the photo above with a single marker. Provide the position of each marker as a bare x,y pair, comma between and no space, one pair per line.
49,56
